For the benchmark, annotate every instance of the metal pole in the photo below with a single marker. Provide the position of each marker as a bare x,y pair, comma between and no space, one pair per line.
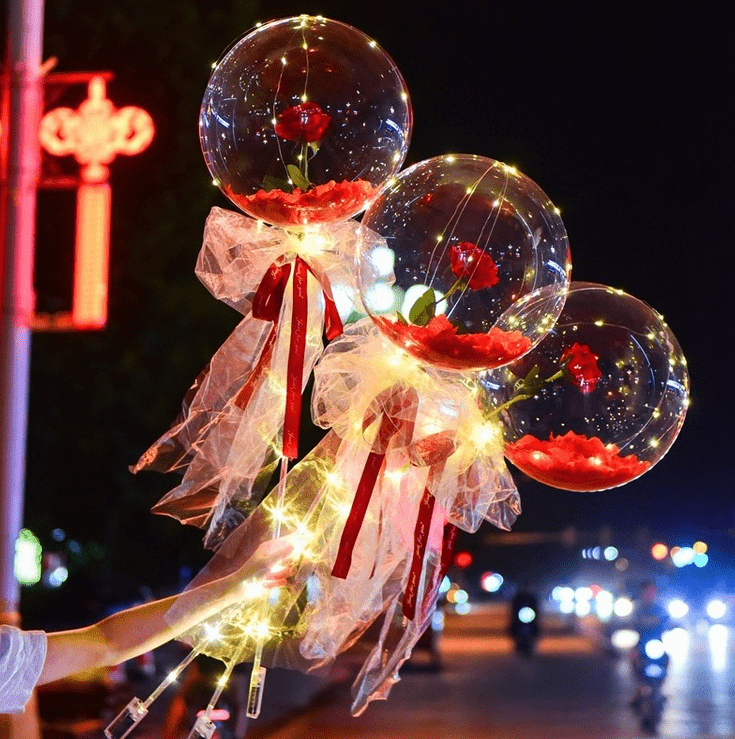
25,34
21,164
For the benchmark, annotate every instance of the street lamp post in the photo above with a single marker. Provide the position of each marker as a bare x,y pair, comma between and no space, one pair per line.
21,159
23,64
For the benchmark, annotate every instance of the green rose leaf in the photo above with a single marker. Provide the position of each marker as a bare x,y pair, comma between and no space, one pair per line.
461,328
297,178
423,310
276,183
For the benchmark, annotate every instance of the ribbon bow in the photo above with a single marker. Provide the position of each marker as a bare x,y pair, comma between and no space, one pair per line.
267,305
396,409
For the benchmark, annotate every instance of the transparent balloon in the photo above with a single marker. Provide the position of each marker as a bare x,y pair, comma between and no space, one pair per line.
303,120
475,266
600,400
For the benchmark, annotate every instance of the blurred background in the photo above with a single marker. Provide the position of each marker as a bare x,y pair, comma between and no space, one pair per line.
626,126
624,119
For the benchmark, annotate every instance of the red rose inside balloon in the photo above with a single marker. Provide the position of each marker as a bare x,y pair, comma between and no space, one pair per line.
470,264
581,365
599,400
304,122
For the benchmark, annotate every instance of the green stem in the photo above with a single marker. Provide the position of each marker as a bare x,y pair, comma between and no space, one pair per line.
521,395
304,163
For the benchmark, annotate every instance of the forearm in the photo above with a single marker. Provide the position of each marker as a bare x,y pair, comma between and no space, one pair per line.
126,634
136,630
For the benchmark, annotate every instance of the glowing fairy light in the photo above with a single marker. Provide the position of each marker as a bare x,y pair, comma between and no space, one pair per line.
212,632
334,480
262,629
397,358
486,434
342,508
395,476
278,514
314,243
253,589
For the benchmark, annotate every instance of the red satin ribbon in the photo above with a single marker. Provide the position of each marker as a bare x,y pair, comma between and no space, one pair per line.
396,407
420,539
362,497
295,367
450,539
267,304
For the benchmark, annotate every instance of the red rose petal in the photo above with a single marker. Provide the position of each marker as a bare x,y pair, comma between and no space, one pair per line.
574,462
439,343
327,203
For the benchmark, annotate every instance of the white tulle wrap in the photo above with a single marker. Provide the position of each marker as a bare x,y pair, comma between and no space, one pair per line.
225,450
432,440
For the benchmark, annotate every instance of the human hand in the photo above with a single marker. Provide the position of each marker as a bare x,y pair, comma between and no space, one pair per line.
270,564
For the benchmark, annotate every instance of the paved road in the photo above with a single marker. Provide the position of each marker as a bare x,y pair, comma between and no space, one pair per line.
569,690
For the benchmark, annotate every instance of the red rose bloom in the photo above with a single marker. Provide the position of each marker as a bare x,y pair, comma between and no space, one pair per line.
582,367
574,462
303,122
471,264
327,203
439,343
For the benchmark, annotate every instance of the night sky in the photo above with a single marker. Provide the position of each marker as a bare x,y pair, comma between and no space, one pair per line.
625,122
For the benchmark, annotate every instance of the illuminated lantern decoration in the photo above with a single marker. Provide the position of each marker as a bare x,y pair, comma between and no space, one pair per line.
95,134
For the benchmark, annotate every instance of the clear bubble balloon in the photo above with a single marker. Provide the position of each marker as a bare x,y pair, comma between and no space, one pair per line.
475,265
600,400
303,120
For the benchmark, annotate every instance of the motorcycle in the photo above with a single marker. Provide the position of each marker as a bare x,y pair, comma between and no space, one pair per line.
525,630
650,665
